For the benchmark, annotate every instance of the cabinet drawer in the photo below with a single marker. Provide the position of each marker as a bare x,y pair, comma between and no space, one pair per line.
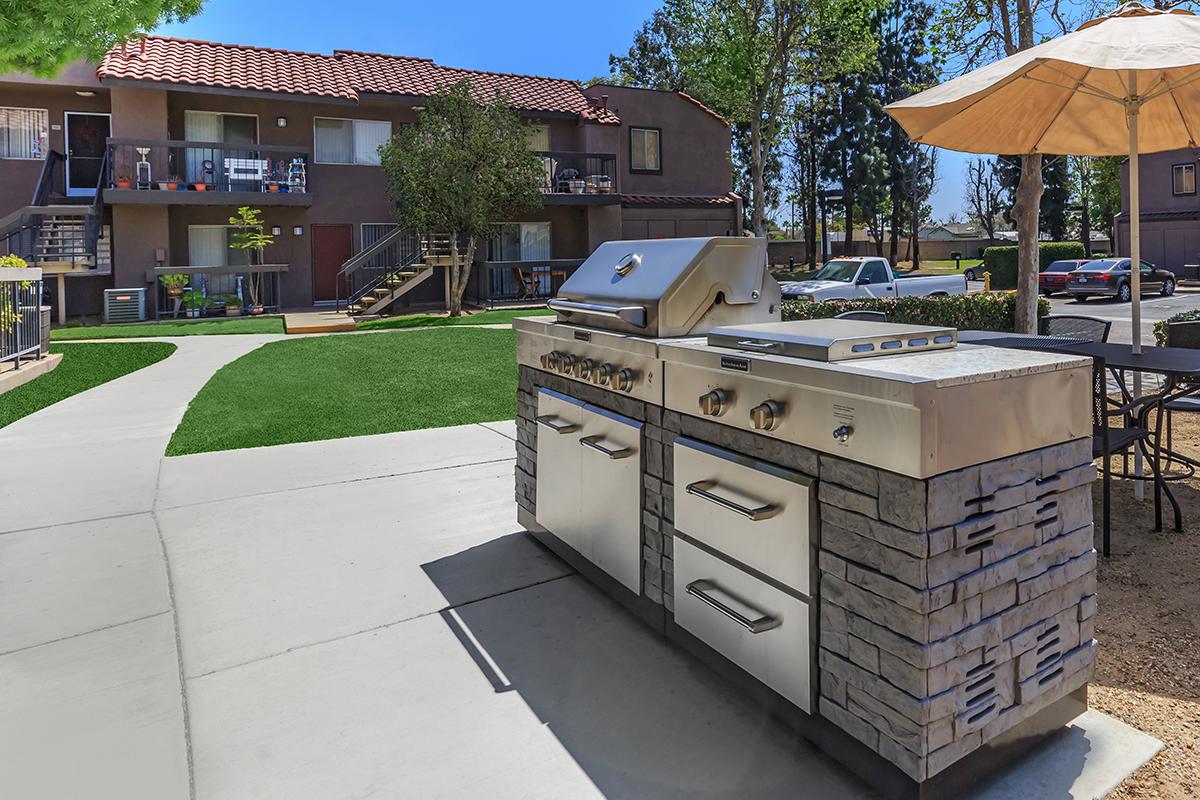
754,512
758,627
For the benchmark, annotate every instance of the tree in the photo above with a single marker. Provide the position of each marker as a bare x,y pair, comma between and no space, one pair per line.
973,33
461,167
1056,197
41,37
248,235
1104,196
651,62
984,194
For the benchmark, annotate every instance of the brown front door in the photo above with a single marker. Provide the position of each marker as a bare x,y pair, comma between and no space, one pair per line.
331,247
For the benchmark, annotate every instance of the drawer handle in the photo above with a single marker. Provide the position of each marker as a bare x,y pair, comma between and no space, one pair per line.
698,589
702,489
594,443
558,427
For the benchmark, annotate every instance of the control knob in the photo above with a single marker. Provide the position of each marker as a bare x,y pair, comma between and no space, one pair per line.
842,433
714,403
550,360
624,379
566,363
766,416
602,374
583,369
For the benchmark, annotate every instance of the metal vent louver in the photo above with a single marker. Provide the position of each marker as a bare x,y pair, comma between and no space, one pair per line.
124,305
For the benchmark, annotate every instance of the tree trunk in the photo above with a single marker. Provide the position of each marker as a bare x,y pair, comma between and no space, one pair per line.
895,222
756,175
848,218
1025,210
810,240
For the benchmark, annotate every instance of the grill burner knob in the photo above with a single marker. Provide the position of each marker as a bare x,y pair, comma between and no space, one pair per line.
842,433
583,369
766,416
602,374
623,381
550,360
566,363
713,404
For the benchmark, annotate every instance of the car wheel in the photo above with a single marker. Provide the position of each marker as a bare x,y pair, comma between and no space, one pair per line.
969,274
1079,298
1124,293
1168,287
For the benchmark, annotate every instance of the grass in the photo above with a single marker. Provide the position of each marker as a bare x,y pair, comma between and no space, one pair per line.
329,387
204,327
429,320
83,367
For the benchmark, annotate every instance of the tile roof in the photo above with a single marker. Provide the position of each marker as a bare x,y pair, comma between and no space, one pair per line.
703,107
344,75
679,199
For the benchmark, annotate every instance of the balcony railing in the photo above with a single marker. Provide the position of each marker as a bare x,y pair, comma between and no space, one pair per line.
219,291
498,283
569,173
181,165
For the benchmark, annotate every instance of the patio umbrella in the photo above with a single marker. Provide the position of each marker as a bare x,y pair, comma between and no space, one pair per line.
1125,83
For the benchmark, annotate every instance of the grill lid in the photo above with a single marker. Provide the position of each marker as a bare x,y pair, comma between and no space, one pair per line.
833,339
671,287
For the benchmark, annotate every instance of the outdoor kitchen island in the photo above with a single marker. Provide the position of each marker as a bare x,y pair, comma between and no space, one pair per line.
882,535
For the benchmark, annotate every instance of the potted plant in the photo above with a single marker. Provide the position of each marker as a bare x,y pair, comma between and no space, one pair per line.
201,186
173,284
233,305
193,302
124,182
173,183
249,236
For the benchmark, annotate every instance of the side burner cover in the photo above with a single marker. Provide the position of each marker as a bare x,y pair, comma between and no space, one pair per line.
833,339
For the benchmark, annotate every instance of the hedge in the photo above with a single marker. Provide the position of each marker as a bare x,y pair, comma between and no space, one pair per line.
1002,261
978,312
1160,327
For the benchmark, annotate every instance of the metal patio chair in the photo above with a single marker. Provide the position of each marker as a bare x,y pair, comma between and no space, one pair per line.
1108,441
1069,326
867,316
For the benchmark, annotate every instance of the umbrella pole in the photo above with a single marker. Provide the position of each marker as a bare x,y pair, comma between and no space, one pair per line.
1132,106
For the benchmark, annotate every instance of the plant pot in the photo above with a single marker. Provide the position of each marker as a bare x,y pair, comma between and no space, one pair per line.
256,311
181,187
201,187
272,187
163,186
193,313
172,186
233,311
124,184
174,291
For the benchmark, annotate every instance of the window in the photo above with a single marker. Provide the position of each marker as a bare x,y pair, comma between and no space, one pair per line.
209,246
874,272
23,132
349,141
645,150
520,241
1183,179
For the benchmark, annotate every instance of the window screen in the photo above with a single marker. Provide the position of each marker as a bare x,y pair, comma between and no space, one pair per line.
23,132
645,150
1183,179
350,141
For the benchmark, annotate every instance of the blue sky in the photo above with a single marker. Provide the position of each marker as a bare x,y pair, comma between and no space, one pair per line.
560,39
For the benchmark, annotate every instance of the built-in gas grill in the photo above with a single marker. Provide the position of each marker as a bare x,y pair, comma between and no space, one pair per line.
887,531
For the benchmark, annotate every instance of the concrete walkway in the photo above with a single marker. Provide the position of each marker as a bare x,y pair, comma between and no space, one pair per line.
348,619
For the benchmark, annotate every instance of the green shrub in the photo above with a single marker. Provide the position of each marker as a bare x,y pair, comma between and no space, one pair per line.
1002,261
1160,327
980,312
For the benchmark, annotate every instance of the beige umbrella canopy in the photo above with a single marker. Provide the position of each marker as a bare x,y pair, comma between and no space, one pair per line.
1126,83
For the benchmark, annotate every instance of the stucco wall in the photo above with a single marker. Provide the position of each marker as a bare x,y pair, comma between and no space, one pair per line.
665,223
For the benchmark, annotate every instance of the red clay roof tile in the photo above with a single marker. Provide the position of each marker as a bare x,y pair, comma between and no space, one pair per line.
344,75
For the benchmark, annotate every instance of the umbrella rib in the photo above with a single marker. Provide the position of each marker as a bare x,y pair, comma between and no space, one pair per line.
1170,87
1079,82
1090,92
1049,124
1183,119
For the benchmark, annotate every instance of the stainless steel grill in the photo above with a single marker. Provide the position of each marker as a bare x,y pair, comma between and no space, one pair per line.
833,339
662,288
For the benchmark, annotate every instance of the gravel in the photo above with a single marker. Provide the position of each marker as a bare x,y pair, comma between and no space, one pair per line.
1148,626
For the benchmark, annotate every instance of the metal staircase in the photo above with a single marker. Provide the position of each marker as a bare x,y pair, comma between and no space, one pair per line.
57,236
383,273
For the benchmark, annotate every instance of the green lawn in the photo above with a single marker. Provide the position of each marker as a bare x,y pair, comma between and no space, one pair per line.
478,318
83,366
328,387
200,327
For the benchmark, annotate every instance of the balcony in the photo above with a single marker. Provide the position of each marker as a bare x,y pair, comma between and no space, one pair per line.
218,291
579,178
495,284
179,172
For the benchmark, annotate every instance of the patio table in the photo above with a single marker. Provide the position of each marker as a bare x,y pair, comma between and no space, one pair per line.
1179,368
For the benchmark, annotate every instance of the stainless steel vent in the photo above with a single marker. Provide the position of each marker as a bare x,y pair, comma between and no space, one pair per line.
833,339
671,287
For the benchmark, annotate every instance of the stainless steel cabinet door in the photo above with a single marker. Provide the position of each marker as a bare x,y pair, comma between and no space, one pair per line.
559,422
611,476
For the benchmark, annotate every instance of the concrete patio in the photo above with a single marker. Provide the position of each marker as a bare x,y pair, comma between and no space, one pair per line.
353,618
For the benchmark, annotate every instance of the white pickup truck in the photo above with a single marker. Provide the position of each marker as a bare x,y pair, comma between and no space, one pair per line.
851,278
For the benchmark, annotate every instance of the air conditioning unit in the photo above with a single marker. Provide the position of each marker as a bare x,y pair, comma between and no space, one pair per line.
125,305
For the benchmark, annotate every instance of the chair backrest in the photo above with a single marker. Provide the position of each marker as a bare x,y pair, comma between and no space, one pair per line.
869,316
1073,327
521,278
246,169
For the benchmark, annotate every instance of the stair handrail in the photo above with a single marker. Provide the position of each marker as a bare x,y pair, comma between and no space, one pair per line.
45,184
356,262
94,224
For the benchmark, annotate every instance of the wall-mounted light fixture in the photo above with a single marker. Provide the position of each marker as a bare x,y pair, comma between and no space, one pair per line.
418,108
298,231
281,122
276,230
85,93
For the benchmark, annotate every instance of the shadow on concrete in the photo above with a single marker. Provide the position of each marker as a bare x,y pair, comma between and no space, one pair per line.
641,718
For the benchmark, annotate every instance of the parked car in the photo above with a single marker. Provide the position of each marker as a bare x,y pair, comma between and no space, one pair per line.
850,278
1110,277
1054,277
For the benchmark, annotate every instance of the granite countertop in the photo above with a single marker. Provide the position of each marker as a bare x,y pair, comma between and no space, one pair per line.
967,363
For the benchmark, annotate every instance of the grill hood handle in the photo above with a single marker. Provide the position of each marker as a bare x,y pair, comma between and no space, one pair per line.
634,315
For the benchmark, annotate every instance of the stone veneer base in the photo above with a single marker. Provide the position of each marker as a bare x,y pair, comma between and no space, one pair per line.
955,612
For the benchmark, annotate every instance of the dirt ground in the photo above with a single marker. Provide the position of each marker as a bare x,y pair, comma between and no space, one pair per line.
1148,627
